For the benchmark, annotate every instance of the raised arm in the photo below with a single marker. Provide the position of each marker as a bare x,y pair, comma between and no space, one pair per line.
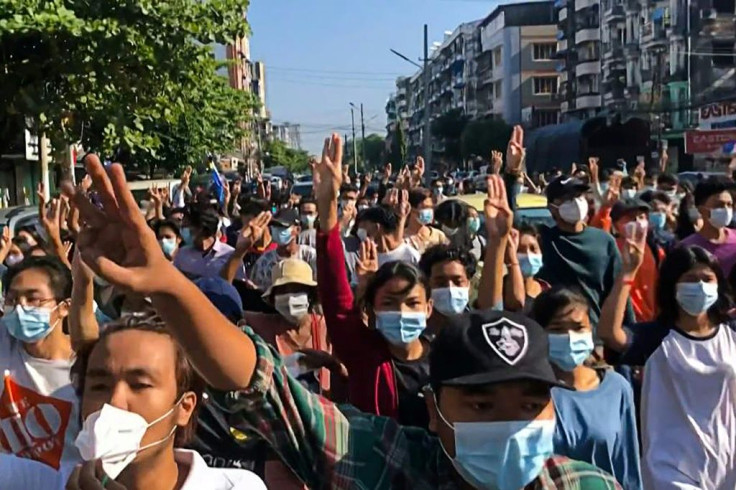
514,291
118,246
83,326
51,220
610,326
248,236
499,222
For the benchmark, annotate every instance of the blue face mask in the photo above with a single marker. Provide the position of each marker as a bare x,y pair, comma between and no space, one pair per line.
657,220
168,245
400,328
569,351
696,297
426,216
452,300
186,236
282,236
501,455
28,324
473,225
308,220
530,264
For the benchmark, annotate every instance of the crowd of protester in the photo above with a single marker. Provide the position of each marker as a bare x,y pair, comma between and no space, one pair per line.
374,335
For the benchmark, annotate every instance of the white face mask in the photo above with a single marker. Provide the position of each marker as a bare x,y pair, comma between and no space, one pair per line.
292,306
574,210
114,436
721,217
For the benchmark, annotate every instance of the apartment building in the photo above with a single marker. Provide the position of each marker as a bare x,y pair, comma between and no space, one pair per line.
516,77
289,133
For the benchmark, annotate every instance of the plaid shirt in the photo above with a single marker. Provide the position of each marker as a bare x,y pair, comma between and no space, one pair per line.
341,448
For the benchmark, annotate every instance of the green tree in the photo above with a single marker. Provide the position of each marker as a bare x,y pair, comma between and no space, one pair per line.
398,146
449,127
276,153
482,136
375,148
135,75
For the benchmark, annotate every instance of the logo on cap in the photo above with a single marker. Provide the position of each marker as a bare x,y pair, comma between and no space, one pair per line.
508,340
564,182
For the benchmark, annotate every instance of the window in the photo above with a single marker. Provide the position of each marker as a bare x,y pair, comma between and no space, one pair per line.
543,51
545,85
497,57
545,117
497,90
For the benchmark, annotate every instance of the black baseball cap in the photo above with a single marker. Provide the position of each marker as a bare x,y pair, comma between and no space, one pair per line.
565,186
625,206
485,347
286,217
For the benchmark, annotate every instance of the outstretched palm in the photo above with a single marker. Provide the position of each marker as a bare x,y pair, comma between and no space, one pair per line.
252,233
329,170
116,242
499,218
515,153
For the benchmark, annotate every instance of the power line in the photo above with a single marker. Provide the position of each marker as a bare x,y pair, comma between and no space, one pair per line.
323,84
338,72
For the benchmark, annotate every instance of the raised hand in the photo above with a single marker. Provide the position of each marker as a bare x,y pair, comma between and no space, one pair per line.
515,153
155,194
116,242
367,262
85,184
612,195
329,170
419,169
499,218
387,171
6,241
496,161
633,253
664,160
593,165
253,233
50,219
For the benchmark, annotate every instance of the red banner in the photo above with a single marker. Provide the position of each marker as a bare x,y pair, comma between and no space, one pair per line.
708,141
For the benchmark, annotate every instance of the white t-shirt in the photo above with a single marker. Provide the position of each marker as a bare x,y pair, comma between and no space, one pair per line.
202,477
403,253
39,410
689,413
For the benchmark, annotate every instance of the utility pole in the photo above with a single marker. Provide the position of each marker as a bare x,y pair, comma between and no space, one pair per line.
355,144
362,130
427,120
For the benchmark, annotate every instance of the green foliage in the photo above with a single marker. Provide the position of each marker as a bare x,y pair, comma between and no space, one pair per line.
480,137
276,153
375,148
131,74
398,147
449,127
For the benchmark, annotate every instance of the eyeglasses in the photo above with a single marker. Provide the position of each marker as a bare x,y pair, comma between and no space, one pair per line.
10,302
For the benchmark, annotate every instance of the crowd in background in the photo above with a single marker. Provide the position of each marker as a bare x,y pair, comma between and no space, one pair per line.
381,333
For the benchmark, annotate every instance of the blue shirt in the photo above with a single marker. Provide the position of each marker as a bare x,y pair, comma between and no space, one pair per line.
599,427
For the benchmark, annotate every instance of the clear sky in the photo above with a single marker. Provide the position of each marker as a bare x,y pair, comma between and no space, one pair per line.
320,55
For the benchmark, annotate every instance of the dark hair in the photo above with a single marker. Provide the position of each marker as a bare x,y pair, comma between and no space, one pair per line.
451,211
685,227
381,215
678,262
306,200
347,188
447,253
187,378
526,228
550,302
391,270
167,223
205,219
629,181
23,245
667,179
710,187
648,197
252,206
31,230
60,277
418,196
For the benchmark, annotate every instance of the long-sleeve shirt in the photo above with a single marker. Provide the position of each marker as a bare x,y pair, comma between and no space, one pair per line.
599,427
335,447
363,351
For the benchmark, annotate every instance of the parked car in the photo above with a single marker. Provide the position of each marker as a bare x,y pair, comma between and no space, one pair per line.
532,208
303,189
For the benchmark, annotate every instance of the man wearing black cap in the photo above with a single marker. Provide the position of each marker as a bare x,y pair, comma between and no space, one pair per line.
285,228
576,255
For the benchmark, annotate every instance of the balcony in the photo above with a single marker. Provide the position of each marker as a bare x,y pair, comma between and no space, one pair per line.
562,17
588,68
633,6
590,101
653,36
561,46
613,51
565,107
631,49
485,77
584,4
561,35
716,25
587,34
614,14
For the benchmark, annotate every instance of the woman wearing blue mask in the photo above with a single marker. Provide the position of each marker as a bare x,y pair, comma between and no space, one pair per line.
453,217
597,422
419,232
689,387
169,237
529,258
